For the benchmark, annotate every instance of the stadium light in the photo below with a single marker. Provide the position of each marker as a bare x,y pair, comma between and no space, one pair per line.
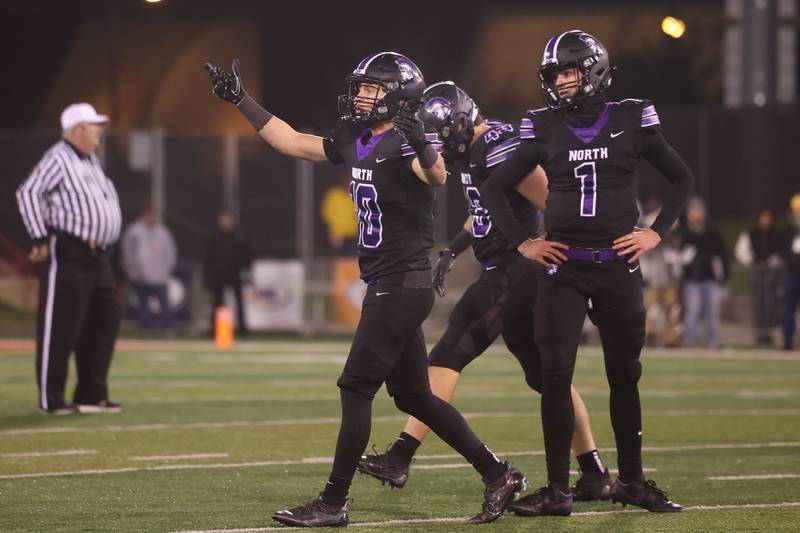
673,27
152,1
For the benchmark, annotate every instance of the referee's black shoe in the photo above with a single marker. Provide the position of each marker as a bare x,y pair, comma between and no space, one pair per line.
644,494
592,487
498,494
316,513
547,501
383,466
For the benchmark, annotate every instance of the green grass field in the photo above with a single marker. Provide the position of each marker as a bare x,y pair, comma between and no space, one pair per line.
218,441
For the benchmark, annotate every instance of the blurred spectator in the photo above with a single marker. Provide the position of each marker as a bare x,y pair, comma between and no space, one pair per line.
759,249
705,271
791,248
338,212
149,256
661,301
227,254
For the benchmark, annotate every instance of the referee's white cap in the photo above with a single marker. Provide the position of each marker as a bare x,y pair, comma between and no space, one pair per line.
75,114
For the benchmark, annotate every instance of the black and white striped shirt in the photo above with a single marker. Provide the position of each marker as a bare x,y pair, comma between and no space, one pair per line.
70,192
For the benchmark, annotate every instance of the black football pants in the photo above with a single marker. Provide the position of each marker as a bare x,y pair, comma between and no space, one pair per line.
78,310
615,290
389,347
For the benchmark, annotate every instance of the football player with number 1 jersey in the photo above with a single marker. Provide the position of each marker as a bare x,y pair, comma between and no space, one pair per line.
392,164
499,302
590,148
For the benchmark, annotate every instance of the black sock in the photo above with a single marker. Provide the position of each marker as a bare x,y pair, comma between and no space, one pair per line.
558,422
404,448
487,464
336,491
353,437
450,426
591,464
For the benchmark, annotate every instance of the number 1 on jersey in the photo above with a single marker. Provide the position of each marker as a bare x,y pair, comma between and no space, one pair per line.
586,172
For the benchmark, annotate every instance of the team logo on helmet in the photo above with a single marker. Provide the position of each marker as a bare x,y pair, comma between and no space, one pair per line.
591,42
439,107
407,70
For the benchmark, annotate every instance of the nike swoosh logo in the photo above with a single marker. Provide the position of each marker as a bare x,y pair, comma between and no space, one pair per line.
473,165
617,134
634,269
491,267
382,293
381,159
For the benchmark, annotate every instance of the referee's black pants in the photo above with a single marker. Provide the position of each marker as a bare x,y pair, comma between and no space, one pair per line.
615,290
78,310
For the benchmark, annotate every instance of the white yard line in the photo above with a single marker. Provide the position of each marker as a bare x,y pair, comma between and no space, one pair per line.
328,460
464,518
448,466
336,420
754,477
60,453
179,457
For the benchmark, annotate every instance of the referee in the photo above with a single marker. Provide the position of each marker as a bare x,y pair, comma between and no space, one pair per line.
71,211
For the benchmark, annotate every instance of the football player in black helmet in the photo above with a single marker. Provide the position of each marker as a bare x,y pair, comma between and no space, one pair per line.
392,163
590,148
497,303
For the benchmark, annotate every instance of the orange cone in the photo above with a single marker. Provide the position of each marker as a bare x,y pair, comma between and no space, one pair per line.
223,328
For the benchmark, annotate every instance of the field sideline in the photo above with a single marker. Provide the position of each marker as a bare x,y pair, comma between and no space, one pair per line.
213,441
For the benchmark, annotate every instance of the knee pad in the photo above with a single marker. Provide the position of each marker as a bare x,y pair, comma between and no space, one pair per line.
534,381
413,402
351,384
628,373
455,350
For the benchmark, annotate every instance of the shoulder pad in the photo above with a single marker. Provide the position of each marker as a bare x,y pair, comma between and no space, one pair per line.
501,142
527,126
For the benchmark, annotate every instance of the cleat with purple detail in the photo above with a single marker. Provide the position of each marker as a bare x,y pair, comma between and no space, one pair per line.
547,501
644,494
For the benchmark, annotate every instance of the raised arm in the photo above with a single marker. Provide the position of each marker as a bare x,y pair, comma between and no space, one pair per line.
428,164
280,135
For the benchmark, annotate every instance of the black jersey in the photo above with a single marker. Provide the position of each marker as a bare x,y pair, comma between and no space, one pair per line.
488,151
591,171
394,207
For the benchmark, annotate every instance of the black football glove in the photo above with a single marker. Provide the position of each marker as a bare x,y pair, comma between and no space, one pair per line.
408,124
443,266
226,85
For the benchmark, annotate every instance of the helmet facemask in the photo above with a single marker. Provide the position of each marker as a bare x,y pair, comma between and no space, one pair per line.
380,109
456,134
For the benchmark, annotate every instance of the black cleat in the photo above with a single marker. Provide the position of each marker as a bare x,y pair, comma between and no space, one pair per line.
384,467
498,494
591,488
546,501
643,494
317,513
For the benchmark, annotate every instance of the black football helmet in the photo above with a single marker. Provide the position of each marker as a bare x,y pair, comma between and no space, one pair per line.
452,113
400,78
574,49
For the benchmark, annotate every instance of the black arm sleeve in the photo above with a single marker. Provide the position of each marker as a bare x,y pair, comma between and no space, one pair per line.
666,160
460,242
503,180
331,152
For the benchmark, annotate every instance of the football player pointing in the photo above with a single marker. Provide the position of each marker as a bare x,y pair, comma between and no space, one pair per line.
499,301
392,163
589,148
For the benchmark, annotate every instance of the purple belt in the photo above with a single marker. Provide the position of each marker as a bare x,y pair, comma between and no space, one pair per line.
603,255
